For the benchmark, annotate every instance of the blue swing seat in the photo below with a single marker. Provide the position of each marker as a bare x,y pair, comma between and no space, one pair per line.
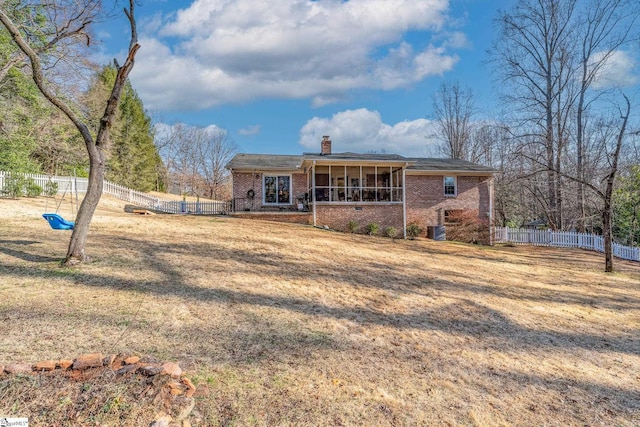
57,222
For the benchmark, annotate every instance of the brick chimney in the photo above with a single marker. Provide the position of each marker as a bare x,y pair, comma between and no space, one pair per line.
325,147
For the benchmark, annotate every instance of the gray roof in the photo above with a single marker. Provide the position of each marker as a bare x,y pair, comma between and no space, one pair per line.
265,162
288,162
446,165
354,157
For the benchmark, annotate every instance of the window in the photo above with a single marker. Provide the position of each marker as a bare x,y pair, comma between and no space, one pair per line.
450,186
453,217
277,189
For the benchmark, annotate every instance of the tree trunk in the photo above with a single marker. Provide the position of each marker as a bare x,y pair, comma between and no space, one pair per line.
580,159
76,250
607,234
608,193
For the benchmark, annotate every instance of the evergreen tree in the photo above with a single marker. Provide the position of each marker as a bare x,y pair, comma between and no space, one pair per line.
626,225
134,160
20,107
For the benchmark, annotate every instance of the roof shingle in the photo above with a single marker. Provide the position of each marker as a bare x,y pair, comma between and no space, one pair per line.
290,162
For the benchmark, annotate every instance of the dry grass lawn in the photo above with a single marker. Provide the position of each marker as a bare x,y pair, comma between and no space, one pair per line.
290,325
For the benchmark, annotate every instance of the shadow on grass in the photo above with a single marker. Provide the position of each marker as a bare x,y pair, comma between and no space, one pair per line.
21,254
465,317
610,401
253,341
248,340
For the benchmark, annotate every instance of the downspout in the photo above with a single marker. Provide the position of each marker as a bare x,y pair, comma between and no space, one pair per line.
404,200
491,229
233,199
313,191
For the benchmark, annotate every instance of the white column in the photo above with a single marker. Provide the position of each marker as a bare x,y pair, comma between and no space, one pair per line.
404,201
313,191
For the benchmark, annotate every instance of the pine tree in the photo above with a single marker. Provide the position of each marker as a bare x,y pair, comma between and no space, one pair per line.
19,110
133,157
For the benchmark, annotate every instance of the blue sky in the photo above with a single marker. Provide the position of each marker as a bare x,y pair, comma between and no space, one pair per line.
277,75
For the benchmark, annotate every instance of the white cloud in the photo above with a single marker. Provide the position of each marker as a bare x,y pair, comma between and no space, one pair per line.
164,130
222,51
456,40
362,131
250,130
618,70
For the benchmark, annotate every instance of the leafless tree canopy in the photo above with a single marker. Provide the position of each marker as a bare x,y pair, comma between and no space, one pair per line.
453,106
552,57
196,159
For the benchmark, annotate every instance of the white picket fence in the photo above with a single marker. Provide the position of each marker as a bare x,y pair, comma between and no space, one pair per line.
72,185
562,239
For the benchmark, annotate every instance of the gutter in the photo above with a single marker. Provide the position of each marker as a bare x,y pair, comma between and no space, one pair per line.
452,171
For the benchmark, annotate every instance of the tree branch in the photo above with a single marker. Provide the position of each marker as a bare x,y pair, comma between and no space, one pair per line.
38,75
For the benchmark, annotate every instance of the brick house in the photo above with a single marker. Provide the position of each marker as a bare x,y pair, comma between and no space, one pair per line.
333,189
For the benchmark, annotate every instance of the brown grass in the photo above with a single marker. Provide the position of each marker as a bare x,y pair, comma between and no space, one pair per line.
290,325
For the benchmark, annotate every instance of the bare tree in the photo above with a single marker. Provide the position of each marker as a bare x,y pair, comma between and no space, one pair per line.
532,56
215,152
454,108
196,159
607,194
75,17
604,28
53,29
177,149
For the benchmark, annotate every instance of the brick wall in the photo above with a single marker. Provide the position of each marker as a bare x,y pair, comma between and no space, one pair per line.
245,181
338,216
290,217
300,185
426,201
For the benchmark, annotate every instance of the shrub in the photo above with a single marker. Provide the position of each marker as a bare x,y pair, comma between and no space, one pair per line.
352,226
372,228
391,232
15,185
413,231
32,189
465,226
51,189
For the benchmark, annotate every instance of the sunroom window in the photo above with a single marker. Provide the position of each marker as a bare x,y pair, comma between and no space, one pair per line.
357,184
277,189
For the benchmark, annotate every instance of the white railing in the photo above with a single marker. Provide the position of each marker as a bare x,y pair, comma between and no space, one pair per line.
562,239
74,185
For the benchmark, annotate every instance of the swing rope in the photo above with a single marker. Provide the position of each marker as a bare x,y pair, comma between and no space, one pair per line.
56,221
58,204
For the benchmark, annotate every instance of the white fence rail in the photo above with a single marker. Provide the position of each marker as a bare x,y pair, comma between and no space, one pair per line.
68,184
562,239
73,185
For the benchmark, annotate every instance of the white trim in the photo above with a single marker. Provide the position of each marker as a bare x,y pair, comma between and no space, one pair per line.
359,203
264,176
313,191
404,201
455,185
451,173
